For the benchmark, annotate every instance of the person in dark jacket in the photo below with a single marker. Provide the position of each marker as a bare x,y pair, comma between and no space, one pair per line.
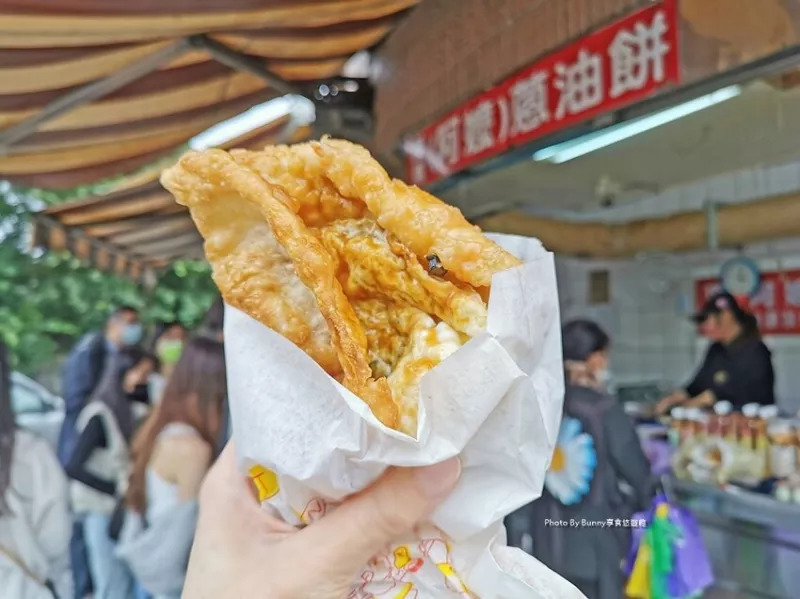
84,366
578,526
81,373
737,366
97,470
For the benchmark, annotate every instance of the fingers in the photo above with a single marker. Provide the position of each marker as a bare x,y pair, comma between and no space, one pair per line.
227,491
367,522
224,484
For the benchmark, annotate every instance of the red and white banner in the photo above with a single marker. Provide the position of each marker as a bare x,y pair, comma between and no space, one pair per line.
613,67
776,305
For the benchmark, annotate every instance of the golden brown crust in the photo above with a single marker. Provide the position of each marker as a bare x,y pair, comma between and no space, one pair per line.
422,222
297,171
380,266
316,242
251,269
314,267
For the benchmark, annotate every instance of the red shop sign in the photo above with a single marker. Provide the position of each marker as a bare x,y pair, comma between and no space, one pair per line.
613,67
776,305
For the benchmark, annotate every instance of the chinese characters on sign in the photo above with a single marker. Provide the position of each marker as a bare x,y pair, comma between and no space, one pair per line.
776,305
613,67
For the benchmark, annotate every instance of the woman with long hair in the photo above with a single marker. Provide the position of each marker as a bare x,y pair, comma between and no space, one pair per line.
35,524
213,326
171,455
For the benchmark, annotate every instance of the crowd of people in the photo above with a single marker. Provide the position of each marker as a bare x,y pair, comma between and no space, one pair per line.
116,513
117,517
113,515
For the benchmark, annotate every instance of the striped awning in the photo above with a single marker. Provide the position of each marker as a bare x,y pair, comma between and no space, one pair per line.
155,78
138,227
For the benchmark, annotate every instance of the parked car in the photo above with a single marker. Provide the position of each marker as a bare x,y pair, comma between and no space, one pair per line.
36,409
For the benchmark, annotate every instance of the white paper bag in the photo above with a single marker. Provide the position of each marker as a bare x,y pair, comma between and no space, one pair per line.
496,402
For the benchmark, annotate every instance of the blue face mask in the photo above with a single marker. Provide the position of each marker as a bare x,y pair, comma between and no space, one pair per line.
132,334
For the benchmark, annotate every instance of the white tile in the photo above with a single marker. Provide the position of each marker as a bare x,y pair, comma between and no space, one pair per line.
722,189
782,179
745,186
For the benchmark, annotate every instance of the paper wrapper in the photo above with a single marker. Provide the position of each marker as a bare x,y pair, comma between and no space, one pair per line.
496,402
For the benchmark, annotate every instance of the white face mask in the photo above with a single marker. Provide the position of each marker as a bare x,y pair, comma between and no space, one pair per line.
604,378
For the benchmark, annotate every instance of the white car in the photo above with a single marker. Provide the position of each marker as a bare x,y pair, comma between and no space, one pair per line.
36,409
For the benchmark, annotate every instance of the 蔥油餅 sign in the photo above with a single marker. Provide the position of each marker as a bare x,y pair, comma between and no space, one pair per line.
615,66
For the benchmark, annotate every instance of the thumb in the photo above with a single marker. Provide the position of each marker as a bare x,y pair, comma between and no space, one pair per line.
365,523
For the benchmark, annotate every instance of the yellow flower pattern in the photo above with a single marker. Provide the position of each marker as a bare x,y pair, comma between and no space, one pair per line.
391,576
265,481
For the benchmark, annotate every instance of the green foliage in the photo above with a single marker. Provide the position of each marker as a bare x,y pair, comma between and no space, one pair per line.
48,300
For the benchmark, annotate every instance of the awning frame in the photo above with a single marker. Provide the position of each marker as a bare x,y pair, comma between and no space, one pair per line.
136,70
155,232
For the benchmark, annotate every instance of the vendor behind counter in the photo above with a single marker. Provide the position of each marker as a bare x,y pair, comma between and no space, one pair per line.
737,366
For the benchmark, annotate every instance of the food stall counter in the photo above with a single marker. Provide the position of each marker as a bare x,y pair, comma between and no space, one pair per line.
753,539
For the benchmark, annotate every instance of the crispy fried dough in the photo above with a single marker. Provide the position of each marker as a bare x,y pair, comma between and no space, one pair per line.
377,281
422,222
314,266
251,269
298,172
377,264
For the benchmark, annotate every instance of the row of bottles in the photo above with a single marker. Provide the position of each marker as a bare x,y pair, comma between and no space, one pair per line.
753,444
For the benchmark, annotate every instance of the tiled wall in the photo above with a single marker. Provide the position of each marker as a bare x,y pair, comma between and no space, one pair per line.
651,298
731,188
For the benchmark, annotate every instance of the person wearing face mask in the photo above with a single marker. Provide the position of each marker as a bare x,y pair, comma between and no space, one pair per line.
597,449
167,347
170,339
81,374
737,366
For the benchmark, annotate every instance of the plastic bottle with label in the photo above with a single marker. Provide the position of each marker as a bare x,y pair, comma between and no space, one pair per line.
747,428
727,423
761,444
783,458
677,431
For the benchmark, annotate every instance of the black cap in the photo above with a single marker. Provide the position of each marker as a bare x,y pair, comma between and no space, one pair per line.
716,303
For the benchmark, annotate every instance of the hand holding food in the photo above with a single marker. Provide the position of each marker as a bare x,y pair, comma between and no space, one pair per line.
355,300
242,550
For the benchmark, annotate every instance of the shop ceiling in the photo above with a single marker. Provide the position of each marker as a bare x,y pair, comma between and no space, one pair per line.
95,89
758,128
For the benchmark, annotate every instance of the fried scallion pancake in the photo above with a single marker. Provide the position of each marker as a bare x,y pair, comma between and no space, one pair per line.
403,343
374,263
314,266
376,281
251,268
425,224
297,170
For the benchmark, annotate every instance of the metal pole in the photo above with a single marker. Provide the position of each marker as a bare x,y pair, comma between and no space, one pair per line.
241,62
90,92
712,228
